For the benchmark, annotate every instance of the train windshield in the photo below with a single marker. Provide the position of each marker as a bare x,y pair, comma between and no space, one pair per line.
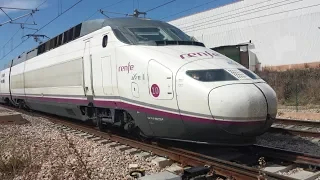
151,34
211,75
147,35
158,34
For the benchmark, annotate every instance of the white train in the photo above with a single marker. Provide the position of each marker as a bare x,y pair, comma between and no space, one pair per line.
145,76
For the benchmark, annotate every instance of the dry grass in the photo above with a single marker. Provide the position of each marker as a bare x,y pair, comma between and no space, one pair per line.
20,158
303,83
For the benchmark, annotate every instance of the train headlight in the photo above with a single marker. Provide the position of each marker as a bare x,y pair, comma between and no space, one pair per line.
250,74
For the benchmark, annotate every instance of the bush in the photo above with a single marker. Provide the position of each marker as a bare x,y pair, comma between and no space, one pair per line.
303,83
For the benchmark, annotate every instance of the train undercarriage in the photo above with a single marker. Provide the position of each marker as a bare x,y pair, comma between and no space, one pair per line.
106,117
102,118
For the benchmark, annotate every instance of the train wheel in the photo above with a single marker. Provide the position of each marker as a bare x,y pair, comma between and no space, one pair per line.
21,104
99,124
141,136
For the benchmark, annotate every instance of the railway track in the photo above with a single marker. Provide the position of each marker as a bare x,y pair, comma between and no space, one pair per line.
306,128
254,162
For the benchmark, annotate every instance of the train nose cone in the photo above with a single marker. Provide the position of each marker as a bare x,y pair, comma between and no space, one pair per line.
240,109
271,97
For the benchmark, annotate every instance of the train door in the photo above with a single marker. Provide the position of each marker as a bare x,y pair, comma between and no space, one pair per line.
106,66
160,83
87,71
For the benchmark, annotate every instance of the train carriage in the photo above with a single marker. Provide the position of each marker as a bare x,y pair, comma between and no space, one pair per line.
145,76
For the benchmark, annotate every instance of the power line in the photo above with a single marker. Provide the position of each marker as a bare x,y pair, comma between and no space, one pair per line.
188,9
21,26
13,8
136,12
11,20
160,6
15,33
103,8
221,19
258,17
221,13
103,13
43,27
236,15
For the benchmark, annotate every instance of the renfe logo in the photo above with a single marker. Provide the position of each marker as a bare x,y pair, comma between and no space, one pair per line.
199,54
126,68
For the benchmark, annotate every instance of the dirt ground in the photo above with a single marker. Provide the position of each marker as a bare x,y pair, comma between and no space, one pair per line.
301,112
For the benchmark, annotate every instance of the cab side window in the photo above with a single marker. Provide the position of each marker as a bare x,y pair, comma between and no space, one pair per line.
105,41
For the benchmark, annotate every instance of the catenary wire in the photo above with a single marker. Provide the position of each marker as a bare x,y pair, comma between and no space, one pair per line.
257,17
103,8
188,9
20,27
236,15
160,6
42,27
223,12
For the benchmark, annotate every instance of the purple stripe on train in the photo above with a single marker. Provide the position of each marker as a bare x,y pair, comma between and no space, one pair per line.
124,105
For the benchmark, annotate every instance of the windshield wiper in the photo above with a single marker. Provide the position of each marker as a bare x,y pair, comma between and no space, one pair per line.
164,43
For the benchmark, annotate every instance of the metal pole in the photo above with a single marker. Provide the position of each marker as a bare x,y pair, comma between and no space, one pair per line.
16,19
18,8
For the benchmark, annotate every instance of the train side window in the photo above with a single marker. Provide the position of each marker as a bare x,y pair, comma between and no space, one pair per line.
105,41
65,37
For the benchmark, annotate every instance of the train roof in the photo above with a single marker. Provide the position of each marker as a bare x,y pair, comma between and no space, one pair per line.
93,25
82,29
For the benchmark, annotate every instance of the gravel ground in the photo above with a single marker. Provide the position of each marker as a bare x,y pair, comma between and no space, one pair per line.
40,152
300,127
292,171
306,109
288,142
46,153
300,110
314,129
308,114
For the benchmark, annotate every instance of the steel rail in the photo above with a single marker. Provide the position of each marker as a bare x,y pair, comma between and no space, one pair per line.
185,157
293,156
298,122
305,133
219,167
295,122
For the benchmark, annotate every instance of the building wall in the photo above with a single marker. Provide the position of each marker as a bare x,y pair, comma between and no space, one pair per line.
282,32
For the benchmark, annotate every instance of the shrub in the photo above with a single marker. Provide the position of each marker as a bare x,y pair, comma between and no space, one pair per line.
303,83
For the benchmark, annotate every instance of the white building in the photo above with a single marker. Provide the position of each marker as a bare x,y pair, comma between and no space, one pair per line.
283,33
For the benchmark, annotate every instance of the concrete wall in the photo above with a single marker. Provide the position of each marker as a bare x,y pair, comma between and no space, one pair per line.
282,32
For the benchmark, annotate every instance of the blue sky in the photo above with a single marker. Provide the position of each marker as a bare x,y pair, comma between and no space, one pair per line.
81,12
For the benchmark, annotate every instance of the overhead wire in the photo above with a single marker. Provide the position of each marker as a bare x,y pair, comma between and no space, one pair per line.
103,8
11,38
188,9
256,17
43,27
113,12
221,13
14,34
239,14
160,6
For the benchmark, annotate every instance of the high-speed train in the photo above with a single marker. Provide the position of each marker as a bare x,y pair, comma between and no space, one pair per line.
144,76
